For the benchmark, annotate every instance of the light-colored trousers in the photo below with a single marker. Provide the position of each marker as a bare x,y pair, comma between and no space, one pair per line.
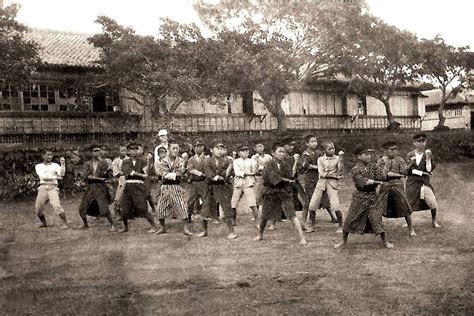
333,195
48,192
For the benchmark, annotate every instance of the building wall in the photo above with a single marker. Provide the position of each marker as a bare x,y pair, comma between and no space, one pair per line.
457,117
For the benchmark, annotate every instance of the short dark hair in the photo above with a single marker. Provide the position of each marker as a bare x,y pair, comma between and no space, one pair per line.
93,146
389,143
275,145
308,137
45,150
326,142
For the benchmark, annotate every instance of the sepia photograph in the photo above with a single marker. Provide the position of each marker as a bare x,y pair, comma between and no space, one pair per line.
236,157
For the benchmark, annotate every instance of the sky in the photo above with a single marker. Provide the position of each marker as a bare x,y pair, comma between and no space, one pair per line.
452,19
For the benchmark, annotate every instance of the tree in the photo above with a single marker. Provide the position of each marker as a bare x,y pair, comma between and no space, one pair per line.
18,57
377,58
175,67
448,68
275,46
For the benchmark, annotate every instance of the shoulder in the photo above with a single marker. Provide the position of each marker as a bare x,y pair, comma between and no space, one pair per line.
411,153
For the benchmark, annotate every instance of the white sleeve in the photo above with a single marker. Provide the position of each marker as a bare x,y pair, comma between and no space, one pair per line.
417,172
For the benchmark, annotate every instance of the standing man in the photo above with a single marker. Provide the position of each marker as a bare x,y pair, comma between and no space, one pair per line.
120,178
197,178
163,139
49,172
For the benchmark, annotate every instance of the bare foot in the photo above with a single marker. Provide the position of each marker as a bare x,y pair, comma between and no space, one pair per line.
412,233
152,230
231,236
405,225
303,242
123,230
389,245
258,238
112,229
201,234
436,225
339,230
340,245
187,233
271,227
161,231
64,227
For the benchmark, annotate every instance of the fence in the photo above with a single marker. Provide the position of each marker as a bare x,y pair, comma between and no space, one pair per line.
50,127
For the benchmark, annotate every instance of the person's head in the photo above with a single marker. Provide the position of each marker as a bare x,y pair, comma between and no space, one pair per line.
162,152
163,136
311,142
419,141
104,151
289,144
199,146
123,151
96,151
68,160
364,154
243,151
173,148
278,151
47,155
329,148
133,150
218,148
140,150
391,148
259,148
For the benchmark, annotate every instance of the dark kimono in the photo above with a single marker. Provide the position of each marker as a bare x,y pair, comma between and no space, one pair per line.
364,215
415,182
220,191
297,188
96,200
277,194
311,176
134,202
392,197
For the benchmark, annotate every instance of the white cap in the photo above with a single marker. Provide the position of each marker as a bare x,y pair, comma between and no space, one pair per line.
162,132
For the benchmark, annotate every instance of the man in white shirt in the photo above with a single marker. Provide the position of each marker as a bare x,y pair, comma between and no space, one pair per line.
117,174
49,172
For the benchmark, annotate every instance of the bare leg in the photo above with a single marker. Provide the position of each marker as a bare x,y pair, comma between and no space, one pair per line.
312,218
112,224
345,236
297,224
263,223
272,225
84,221
230,227
255,215
162,229
340,222
433,218
204,232
386,244
125,226
411,231
63,219
186,230
152,223
333,215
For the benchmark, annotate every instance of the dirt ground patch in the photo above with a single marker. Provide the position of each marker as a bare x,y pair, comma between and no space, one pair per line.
95,272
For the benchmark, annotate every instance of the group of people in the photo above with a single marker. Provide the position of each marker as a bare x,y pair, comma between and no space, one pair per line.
273,186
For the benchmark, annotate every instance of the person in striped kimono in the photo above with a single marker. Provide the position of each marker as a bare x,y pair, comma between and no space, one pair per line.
171,203
134,203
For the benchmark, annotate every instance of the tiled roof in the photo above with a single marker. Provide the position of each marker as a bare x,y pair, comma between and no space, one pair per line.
434,97
64,48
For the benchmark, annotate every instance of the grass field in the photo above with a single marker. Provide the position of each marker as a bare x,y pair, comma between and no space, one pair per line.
51,271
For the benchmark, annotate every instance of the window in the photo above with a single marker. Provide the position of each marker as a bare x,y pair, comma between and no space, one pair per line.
39,98
63,107
9,99
361,105
458,112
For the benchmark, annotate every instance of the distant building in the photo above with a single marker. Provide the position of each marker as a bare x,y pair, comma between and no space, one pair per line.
48,112
458,111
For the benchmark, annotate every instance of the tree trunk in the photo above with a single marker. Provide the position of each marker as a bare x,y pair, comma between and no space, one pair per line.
392,124
281,119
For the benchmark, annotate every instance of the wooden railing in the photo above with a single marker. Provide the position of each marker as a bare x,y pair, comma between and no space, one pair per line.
19,127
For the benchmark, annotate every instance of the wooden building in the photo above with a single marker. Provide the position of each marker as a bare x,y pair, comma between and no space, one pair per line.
47,112
458,111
